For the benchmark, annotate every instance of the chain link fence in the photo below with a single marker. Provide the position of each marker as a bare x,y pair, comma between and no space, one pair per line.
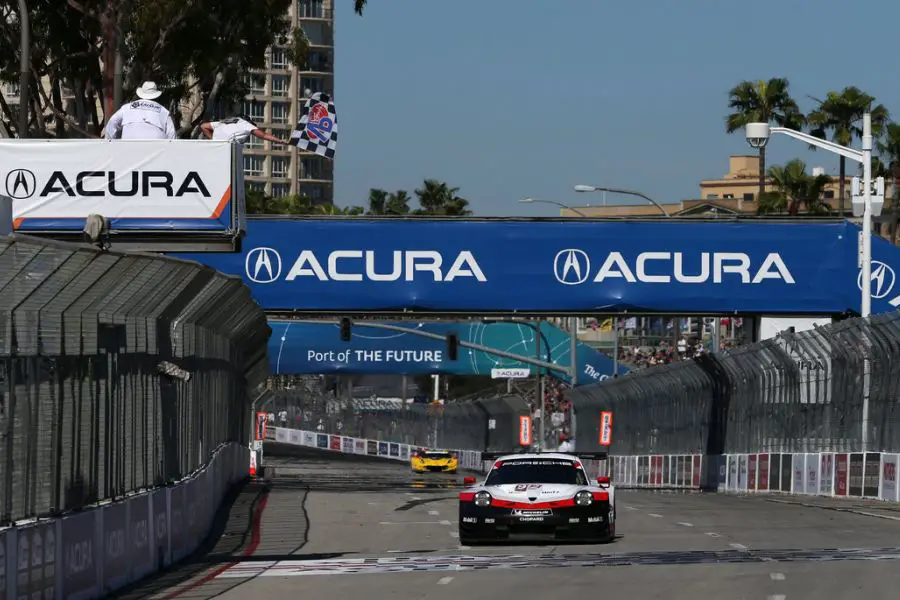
797,392
118,372
475,424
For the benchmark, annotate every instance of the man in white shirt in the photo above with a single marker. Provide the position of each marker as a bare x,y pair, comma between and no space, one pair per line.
236,129
143,119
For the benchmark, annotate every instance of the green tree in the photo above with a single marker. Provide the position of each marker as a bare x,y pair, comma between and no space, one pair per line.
840,115
258,203
438,198
762,102
383,203
797,188
889,147
195,50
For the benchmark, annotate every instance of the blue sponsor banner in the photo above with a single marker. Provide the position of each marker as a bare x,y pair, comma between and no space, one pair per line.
360,264
301,348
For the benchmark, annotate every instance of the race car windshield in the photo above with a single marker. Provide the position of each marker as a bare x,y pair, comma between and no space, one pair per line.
436,455
563,473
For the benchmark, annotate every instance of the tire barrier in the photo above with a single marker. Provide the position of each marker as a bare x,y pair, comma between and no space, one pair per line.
100,549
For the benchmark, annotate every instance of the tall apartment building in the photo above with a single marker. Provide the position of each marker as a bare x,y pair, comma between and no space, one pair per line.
277,94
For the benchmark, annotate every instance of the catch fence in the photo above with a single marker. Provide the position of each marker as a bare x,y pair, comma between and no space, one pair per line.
118,372
797,392
478,424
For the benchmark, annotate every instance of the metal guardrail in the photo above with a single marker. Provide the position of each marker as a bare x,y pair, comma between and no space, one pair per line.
797,392
118,372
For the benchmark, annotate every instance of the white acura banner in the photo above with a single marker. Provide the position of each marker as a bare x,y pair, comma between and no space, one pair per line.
158,180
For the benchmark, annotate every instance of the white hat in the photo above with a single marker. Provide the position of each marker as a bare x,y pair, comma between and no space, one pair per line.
148,91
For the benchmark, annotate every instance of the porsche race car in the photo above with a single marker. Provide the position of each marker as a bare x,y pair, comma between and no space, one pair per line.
424,461
540,495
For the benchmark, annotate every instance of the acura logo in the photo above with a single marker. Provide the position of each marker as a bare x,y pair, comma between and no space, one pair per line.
882,279
571,266
263,265
20,184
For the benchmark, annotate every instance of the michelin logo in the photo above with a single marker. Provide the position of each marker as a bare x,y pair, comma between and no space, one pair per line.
264,265
573,267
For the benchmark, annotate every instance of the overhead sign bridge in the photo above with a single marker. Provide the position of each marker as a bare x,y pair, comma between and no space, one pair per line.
359,265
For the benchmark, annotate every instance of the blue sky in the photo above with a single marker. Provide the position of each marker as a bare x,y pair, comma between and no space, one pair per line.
515,98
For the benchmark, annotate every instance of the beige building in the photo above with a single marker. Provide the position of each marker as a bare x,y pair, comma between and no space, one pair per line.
276,97
733,194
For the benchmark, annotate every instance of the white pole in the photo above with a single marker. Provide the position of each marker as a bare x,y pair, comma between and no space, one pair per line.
573,351
437,387
866,301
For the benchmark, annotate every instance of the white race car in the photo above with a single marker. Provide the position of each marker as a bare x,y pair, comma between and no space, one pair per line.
537,495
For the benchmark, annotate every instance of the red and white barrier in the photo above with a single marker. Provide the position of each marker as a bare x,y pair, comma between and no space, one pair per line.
837,474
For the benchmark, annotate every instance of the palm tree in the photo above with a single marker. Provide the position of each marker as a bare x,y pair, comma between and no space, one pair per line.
762,102
358,6
889,146
841,115
438,198
398,203
382,203
377,201
799,188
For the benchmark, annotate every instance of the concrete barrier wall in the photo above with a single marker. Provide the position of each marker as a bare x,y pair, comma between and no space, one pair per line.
852,475
98,550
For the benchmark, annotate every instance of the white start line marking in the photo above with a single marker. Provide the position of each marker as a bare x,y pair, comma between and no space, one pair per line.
777,597
713,534
454,534
777,576
686,524
655,516
433,513
444,580
738,546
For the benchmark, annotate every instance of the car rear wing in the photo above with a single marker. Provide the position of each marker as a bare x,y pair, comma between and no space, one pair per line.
581,455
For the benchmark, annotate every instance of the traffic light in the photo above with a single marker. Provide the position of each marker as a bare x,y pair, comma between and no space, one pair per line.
452,346
346,327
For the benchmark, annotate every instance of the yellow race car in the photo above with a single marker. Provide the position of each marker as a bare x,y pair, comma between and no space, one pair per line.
425,461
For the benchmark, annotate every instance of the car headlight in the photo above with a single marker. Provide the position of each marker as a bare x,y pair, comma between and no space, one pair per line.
584,498
482,499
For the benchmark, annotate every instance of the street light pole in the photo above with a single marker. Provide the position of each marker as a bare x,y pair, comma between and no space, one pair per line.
757,135
595,188
555,203
866,301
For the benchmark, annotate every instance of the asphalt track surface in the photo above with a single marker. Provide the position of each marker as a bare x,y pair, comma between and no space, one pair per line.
335,526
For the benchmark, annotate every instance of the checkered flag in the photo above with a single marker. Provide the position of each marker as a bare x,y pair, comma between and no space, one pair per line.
317,130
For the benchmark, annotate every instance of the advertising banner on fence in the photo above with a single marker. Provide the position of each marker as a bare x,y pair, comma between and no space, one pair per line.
306,348
360,264
889,477
144,185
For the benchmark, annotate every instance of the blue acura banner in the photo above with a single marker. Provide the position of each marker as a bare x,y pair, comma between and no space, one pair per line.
299,348
359,264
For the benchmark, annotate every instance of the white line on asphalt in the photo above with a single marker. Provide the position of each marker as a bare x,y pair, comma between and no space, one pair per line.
777,597
454,534
433,513
464,548
712,534
414,498
777,576
655,516
738,546
685,524
631,508
444,580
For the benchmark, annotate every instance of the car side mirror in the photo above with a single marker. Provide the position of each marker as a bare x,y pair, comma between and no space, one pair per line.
468,480
603,481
